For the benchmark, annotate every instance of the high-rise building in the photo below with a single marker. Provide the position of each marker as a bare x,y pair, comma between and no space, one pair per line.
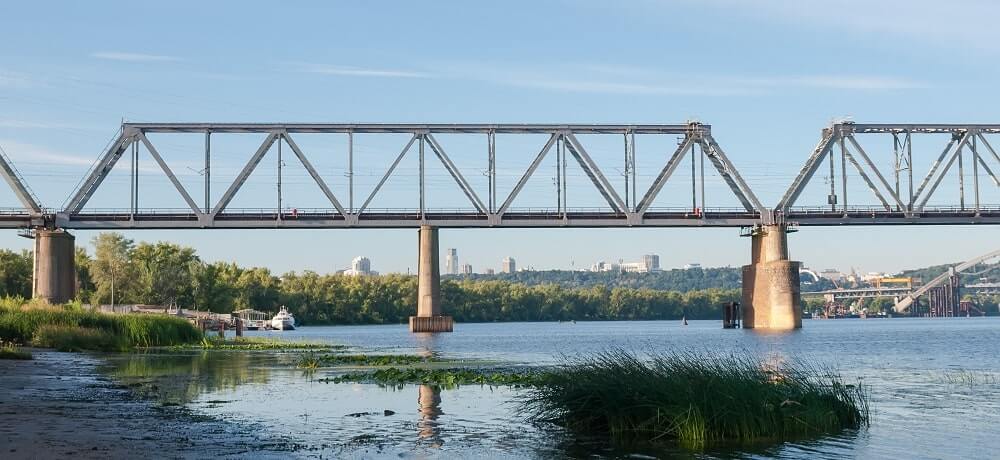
360,265
451,262
652,262
490,271
508,265
467,269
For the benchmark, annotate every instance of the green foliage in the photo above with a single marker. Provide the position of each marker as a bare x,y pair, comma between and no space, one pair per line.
15,273
21,324
76,338
372,360
447,378
308,361
694,399
10,350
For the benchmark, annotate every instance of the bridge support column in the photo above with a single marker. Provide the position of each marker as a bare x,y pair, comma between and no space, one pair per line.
771,296
54,277
429,317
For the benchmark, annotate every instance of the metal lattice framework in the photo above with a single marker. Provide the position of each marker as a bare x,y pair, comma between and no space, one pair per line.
968,144
31,212
493,211
905,302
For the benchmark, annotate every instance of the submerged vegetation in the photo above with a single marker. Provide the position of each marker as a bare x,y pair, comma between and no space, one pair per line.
447,378
71,327
255,344
694,399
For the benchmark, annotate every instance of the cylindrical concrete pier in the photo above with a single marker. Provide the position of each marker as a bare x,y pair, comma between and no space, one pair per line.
771,296
429,317
54,277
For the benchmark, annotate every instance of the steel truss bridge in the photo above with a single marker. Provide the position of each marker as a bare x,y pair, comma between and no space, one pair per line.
903,197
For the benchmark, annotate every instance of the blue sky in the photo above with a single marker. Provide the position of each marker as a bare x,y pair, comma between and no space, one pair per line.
768,75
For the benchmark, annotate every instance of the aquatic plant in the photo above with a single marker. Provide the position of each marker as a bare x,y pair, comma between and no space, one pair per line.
441,377
309,361
20,322
694,399
255,343
373,360
10,350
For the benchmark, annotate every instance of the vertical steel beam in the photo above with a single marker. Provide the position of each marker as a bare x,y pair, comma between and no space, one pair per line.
975,171
843,171
491,148
279,141
909,170
961,179
635,190
208,171
132,177
422,136
694,182
350,170
559,153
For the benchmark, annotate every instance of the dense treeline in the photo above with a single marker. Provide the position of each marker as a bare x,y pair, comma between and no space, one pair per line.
121,271
685,280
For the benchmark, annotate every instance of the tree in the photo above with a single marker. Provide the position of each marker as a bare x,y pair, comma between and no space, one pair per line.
111,268
164,273
15,273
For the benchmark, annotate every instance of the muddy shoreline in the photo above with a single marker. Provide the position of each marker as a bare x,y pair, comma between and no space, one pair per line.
60,405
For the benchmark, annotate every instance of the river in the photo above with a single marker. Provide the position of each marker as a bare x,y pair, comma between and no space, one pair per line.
935,387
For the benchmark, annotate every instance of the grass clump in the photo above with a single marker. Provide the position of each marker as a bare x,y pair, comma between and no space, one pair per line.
10,350
447,378
76,338
373,360
22,322
694,400
309,361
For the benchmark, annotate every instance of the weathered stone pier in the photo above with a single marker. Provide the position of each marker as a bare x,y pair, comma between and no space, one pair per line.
771,296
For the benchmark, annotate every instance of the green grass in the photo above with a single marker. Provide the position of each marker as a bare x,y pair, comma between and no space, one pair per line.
372,360
72,325
12,351
447,378
694,400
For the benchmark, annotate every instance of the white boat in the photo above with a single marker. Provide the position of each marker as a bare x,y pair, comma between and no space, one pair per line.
283,321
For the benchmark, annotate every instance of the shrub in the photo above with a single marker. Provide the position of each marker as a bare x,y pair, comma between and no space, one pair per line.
76,338
694,399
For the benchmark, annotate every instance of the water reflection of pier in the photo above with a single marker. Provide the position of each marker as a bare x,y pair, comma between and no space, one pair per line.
429,399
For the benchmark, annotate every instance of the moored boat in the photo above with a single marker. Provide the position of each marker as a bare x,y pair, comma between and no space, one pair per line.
283,321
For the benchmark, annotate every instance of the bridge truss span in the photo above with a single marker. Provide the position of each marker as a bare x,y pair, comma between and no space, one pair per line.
624,205
902,195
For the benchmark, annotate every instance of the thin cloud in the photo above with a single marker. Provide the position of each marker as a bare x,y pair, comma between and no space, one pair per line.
132,57
23,154
350,71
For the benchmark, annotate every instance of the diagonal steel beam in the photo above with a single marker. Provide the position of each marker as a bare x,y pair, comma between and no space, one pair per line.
805,174
388,173
937,164
170,174
729,173
878,174
100,172
867,179
528,173
456,174
13,179
983,162
944,172
247,170
315,175
594,173
665,173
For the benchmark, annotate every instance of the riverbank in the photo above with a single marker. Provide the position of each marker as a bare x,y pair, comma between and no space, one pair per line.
59,405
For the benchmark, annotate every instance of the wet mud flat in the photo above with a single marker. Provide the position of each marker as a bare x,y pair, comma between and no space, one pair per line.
58,405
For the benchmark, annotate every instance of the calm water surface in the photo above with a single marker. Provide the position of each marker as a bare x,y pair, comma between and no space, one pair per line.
935,386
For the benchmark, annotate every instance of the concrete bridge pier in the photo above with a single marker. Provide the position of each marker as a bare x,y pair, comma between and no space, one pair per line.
429,317
54,277
771,296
